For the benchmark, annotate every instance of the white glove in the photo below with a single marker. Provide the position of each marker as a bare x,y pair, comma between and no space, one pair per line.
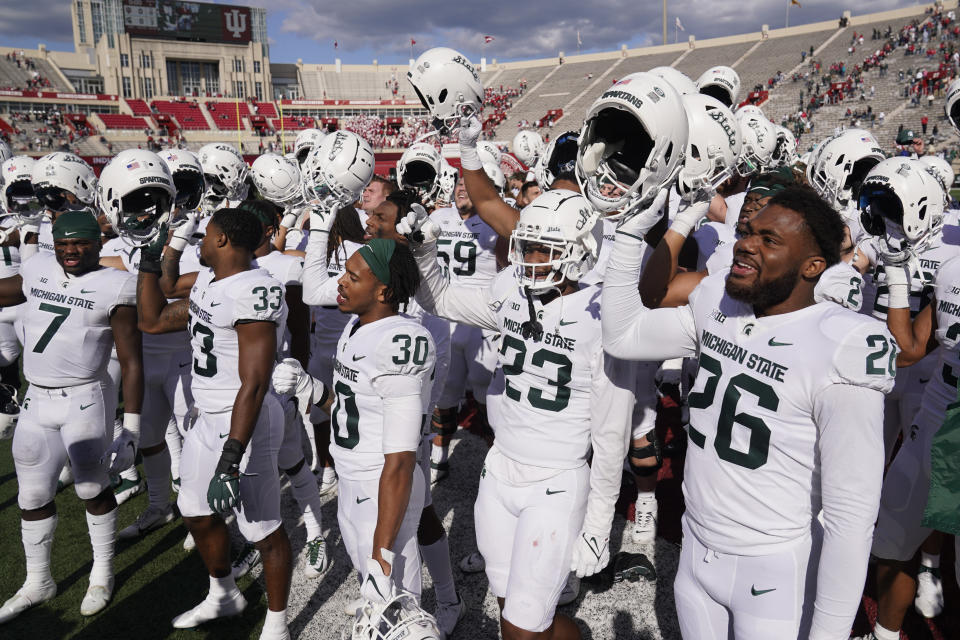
186,234
122,452
289,378
898,283
470,130
417,226
638,220
321,219
377,588
591,553
688,216
289,220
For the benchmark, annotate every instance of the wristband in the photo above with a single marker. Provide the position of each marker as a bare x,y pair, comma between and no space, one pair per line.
131,422
230,456
177,243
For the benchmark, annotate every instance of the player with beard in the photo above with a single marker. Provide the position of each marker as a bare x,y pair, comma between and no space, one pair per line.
785,420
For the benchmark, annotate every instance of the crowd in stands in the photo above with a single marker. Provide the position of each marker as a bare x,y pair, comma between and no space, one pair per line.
36,81
375,130
42,132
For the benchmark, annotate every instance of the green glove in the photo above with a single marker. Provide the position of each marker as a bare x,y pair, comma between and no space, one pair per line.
151,254
223,494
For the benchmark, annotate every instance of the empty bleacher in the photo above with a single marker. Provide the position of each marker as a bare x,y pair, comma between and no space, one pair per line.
228,115
122,121
139,108
187,114
702,58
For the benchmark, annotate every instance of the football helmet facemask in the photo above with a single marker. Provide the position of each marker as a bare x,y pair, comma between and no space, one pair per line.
448,85
419,169
336,172
57,173
137,194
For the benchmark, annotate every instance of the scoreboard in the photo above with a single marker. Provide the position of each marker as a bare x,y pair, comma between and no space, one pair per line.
193,21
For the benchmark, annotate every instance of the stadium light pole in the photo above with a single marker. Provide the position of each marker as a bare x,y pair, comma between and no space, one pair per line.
664,21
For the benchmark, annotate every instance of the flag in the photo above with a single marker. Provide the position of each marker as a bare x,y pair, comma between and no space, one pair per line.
579,41
335,44
487,39
680,24
412,42
796,2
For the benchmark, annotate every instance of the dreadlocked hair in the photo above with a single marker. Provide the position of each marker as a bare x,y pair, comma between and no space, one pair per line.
404,277
403,199
241,226
346,226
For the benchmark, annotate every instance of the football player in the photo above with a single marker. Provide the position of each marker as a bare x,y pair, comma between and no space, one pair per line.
74,312
234,315
772,426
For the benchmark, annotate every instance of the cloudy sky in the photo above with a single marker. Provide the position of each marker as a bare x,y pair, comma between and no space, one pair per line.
368,29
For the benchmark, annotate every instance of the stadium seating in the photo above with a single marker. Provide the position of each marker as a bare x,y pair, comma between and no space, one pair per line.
187,114
292,123
266,109
225,116
139,107
123,121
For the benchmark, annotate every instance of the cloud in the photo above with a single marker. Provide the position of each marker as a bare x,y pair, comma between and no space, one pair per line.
538,29
44,20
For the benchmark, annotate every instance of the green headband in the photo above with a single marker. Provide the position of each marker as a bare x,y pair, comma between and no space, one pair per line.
767,190
377,254
74,225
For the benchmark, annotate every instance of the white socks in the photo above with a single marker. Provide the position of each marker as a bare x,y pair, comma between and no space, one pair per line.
275,620
37,538
103,535
303,486
885,634
328,474
646,496
437,558
931,560
174,447
438,454
157,469
222,588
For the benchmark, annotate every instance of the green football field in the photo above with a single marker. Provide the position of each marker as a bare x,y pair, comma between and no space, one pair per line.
155,578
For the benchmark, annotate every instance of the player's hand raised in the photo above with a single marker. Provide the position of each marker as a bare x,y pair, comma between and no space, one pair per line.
417,226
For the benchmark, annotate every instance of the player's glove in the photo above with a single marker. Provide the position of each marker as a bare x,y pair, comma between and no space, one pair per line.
152,254
470,130
289,220
122,452
186,234
689,216
591,553
417,226
321,218
289,378
223,493
638,219
898,284
377,588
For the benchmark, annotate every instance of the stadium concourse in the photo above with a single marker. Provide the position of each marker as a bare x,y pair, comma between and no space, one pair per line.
654,343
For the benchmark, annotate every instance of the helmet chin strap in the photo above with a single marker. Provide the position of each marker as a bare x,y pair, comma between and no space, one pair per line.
532,327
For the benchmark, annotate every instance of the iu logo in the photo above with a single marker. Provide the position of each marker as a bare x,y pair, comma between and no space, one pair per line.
236,22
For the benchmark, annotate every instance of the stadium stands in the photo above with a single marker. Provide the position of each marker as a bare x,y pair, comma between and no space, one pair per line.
121,121
187,114
225,114
139,107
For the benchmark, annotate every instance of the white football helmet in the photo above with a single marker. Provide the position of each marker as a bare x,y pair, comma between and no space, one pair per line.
559,157
951,107
785,153
137,194
489,152
449,175
187,177
9,411
55,173
903,202
419,169
632,142
400,619
496,176
336,172
16,174
941,170
839,165
562,221
5,151
278,180
722,83
225,173
713,145
759,142
676,79
307,140
527,147
750,109
448,85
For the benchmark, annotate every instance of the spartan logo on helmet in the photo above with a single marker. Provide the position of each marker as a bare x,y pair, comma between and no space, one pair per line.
337,144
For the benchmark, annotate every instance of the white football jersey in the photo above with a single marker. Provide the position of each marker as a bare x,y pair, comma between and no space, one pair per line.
328,322
366,356
9,266
751,478
941,390
64,325
607,232
709,237
289,271
466,248
216,307
45,235
544,410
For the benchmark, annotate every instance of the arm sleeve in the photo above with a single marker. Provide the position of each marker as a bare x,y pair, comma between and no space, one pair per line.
611,400
472,306
630,330
402,402
849,419
319,289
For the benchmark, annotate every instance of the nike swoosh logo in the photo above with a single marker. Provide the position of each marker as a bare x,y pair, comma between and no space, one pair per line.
183,364
88,290
215,304
759,592
356,357
550,493
564,323
374,583
922,381
223,435
360,500
70,233
773,343
86,406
